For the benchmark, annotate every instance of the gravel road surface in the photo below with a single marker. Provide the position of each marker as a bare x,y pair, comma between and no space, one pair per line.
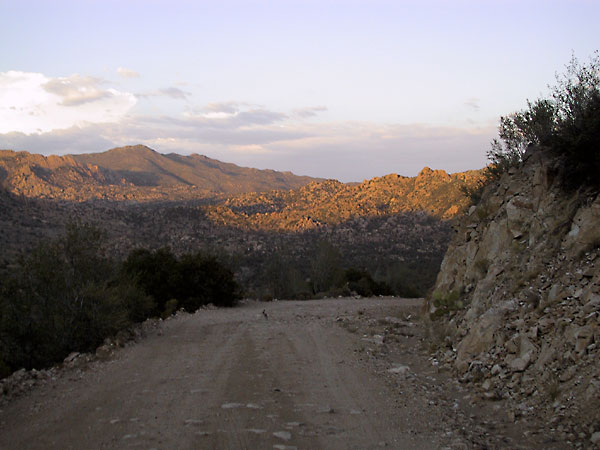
303,376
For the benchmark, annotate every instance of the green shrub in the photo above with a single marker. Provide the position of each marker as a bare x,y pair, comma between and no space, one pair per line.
446,303
438,335
62,297
5,369
411,280
474,191
550,385
201,279
325,267
577,122
153,272
138,305
66,295
170,308
517,132
194,279
361,282
568,123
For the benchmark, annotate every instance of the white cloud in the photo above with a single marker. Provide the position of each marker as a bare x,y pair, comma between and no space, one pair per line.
76,89
172,92
34,103
218,110
127,73
224,107
311,111
233,115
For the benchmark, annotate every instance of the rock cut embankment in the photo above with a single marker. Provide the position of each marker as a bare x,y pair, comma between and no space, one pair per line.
518,299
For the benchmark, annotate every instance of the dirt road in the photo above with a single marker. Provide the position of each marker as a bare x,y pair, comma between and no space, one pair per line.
304,378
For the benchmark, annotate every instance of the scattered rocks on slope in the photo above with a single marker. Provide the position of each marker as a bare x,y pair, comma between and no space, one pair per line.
525,265
481,419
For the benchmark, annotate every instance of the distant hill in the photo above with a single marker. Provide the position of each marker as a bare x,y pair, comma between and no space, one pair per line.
317,204
134,173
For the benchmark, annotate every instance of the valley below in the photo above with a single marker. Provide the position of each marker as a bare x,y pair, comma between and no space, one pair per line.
335,373
266,225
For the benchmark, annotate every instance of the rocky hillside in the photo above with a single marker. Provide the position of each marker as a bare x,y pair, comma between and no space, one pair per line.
23,222
391,226
517,301
134,173
433,192
404,248
394,227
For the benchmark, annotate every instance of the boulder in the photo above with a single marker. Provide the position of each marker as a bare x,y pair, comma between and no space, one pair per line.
593,304
496,369
519,364
104,351
546,356
526,355
479,339
518,212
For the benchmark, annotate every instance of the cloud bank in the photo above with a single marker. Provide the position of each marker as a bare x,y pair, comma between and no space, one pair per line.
348,151
34,103
79,114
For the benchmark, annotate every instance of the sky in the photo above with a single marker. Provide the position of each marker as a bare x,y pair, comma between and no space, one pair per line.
330,88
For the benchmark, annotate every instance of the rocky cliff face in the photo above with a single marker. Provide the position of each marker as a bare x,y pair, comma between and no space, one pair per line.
516,304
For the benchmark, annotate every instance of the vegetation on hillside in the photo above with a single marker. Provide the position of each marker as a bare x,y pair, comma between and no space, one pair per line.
325,272
567,123
66,295
188,282
393,227
403,250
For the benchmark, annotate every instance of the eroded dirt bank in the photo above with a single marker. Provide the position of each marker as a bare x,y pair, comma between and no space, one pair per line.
329,374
